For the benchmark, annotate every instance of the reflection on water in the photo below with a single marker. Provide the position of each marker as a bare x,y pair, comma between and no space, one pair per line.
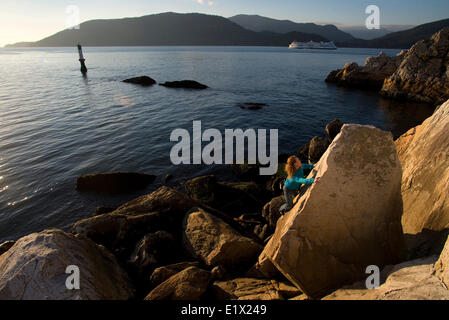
56,124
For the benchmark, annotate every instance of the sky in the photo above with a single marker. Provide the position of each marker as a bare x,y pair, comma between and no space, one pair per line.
32,20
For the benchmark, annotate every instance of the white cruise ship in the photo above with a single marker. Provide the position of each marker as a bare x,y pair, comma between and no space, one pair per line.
313,45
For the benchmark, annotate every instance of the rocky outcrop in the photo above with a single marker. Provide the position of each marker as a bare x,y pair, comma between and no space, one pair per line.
185,84
120,230
349,220
214,242
303,152
253,289
35,269
313,150
114,182
424,155
271,212
441,267
370,76
333,129
161,274
163,199
412,280
143,81
188,284
232,198
423,75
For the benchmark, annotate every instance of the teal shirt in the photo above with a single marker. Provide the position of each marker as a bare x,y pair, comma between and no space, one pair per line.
298,179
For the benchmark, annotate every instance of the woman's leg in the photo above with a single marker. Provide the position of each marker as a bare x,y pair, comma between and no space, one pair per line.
289,196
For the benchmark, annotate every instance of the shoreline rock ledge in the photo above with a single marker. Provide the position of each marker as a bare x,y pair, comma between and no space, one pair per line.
348,221
423,75
369,76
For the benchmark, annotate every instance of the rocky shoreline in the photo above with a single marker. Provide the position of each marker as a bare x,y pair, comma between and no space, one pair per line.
420,74
220,240
380,203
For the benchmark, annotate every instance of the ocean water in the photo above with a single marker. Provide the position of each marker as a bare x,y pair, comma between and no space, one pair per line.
57,124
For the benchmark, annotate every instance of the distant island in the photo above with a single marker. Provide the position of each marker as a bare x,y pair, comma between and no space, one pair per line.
194,29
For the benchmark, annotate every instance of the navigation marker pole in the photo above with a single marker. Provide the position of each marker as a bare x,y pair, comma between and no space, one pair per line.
82,60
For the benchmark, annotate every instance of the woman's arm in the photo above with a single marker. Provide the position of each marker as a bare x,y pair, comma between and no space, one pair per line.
308,166
303,181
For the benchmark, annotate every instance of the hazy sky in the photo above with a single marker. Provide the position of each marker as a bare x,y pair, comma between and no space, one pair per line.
31,20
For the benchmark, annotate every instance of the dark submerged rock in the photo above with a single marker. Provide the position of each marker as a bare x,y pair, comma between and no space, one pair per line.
252,105
143,81
114,182
185,84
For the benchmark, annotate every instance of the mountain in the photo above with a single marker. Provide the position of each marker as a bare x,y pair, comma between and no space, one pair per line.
258,23
361,32
167,29
400,40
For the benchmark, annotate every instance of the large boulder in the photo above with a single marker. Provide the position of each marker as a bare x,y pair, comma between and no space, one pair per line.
411,280
351,219
441,267
423,75
188,284
114,182
213,241
35,269
369,76
424,155
253,289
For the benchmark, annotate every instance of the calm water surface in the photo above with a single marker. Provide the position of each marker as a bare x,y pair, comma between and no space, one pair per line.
57,125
